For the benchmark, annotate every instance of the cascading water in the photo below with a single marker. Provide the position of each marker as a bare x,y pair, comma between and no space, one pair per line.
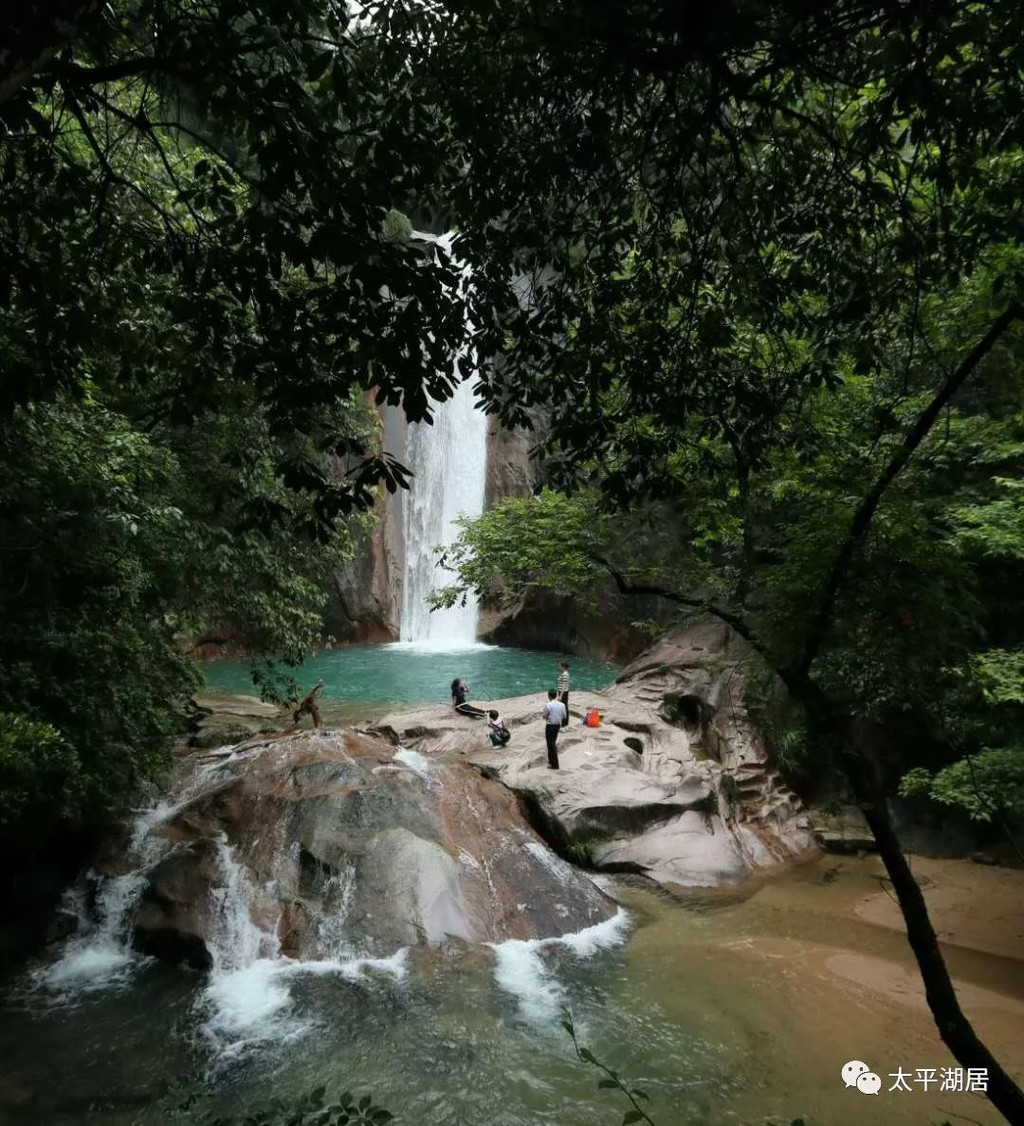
310,867
449,463
101,955
246,1001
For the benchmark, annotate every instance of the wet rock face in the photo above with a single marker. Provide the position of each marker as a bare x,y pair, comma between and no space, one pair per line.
331,845
366,598
674,784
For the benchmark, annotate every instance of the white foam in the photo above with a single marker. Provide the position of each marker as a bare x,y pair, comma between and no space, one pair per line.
354,969
87,968
248,1008
439,647
520,969
417,763
247,1005
602,936
100,955
252,1006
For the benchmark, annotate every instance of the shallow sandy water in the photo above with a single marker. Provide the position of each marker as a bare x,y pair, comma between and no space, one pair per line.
729,1006
802,968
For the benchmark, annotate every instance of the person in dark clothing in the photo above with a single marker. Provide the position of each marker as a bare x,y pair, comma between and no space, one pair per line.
460,694
554,716
563,690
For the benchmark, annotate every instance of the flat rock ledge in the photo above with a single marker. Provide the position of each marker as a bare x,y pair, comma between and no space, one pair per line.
674,785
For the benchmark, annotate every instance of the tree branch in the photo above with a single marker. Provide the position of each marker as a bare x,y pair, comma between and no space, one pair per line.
734,620
940,992
31,36
105,166
869,505
113,72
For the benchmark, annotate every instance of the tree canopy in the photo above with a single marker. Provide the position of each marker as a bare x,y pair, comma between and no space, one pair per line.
759,264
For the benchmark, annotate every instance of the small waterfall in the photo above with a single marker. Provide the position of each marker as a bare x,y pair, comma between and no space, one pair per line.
100,954
246,999
251,901
520,968
449,463
244,1002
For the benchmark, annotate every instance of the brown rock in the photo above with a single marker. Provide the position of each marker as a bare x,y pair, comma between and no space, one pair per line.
322,844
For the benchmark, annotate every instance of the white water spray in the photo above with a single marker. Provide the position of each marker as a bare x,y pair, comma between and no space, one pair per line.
100,955
520,967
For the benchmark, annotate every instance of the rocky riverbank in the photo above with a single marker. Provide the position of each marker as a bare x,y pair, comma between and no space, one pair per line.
409,830
326,844
674,785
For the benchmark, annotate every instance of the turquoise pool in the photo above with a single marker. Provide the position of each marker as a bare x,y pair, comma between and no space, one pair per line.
404,674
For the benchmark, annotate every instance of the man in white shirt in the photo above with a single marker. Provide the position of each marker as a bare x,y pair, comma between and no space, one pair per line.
554,715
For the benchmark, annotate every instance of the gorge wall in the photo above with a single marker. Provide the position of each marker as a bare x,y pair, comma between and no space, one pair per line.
366,602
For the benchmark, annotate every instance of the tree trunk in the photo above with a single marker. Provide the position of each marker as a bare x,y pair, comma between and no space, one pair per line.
954,1027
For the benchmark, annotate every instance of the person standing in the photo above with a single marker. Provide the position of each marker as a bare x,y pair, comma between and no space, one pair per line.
554,718
563,690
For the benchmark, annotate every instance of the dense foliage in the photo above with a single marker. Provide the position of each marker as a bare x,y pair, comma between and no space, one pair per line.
773,313
191,310
759,265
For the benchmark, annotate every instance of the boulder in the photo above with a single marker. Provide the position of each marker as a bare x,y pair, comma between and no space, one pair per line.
674,785
329,845
842,831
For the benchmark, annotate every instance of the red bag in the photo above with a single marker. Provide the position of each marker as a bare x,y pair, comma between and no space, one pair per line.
592,718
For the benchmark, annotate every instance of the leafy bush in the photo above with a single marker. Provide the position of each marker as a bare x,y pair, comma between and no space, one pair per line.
983,785
39,771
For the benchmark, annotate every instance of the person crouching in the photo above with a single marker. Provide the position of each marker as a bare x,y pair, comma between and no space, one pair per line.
499,733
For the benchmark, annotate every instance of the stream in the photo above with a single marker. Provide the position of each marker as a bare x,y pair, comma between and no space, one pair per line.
724,1009
726,1006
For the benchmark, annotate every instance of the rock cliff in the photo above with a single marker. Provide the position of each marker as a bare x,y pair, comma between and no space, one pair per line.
366,598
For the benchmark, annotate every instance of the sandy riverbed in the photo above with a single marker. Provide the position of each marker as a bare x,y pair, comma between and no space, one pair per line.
823,972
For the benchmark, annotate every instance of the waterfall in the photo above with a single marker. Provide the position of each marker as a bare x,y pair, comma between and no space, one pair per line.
449,463
245,1001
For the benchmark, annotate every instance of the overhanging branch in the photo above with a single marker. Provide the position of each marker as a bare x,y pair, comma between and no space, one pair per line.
625,586
869,505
